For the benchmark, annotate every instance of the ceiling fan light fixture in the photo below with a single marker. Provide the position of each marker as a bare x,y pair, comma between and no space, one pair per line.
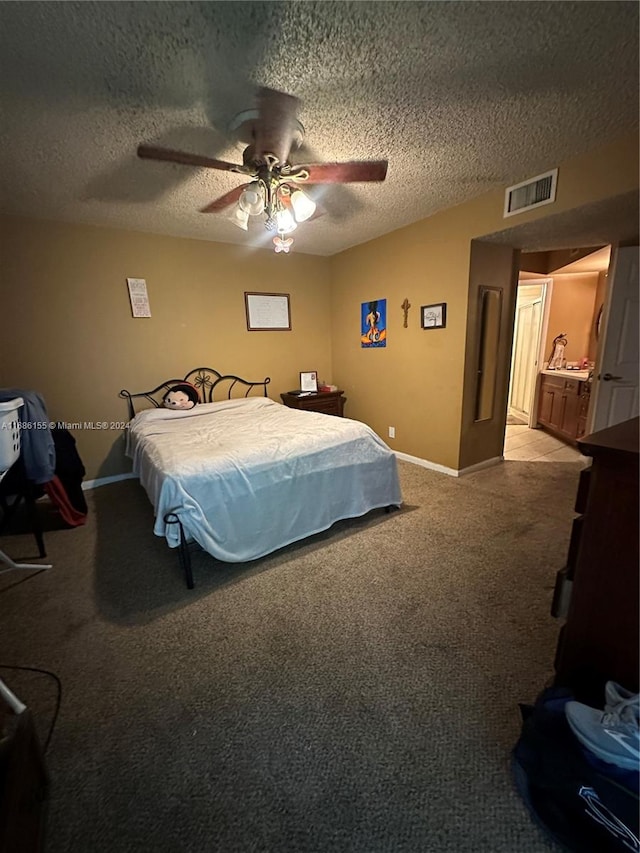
240,217
269,134
282,245
303,206
252,199
285,223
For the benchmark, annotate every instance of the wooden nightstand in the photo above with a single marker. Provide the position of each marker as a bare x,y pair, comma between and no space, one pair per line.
327,402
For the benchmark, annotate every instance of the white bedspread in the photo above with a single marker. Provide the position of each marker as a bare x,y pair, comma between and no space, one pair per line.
249,476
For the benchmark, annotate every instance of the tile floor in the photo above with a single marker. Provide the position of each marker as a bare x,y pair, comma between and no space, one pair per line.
533,445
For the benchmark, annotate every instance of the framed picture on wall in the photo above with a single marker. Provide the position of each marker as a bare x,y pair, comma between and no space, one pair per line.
433,316
267,311
138,297
373,324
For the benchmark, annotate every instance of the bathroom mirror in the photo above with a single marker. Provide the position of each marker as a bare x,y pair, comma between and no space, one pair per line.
489,318
599,321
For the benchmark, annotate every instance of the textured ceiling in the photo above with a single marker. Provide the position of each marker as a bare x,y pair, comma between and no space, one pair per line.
461,98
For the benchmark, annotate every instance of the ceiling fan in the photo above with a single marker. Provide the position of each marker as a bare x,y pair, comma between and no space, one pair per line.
271,132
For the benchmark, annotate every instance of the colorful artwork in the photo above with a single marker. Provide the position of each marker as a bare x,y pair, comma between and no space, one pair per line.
373,323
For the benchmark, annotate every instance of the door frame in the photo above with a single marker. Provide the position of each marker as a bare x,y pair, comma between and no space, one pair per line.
547,290
595,398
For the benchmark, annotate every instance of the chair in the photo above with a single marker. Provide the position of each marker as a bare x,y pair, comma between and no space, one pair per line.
9,455
24,779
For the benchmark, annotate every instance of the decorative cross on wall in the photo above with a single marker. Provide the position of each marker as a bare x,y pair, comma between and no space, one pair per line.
405,307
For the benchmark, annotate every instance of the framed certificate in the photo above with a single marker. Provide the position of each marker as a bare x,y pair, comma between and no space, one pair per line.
309,381
267,312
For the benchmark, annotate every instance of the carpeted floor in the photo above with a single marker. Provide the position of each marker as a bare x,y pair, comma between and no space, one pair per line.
355,693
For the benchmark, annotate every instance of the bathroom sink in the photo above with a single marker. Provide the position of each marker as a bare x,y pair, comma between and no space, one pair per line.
582,375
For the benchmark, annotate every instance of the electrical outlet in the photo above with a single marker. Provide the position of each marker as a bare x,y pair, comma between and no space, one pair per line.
392,432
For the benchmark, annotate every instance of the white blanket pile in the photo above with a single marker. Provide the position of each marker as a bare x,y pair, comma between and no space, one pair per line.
249,476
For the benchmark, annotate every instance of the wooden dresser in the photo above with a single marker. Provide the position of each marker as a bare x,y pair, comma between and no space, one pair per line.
327,402
599,640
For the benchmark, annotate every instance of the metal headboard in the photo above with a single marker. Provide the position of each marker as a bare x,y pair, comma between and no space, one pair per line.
211,384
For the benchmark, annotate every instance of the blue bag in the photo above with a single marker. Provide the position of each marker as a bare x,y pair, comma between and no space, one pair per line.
581,802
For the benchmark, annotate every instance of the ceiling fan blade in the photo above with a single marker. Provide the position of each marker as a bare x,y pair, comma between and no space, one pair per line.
225,200
346,173
151,152
276,126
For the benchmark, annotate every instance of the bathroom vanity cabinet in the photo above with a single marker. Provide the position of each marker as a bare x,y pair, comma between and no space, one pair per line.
563,405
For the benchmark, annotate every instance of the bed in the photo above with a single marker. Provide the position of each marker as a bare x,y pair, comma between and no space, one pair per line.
243,476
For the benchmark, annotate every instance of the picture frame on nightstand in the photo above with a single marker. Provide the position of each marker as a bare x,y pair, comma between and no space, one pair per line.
309,381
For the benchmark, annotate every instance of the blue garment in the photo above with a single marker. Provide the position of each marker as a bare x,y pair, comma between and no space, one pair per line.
36,441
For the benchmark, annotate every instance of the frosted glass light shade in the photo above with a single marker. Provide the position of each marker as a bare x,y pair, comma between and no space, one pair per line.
303,206
240,218
252,199
285,223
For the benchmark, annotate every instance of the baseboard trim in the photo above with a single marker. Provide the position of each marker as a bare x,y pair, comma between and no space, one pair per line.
442,469
105,481
488,463
424,463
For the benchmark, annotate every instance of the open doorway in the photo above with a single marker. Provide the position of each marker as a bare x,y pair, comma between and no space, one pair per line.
548,409
542,248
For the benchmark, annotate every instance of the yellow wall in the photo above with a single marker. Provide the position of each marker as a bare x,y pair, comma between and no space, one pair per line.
571,312
68,330
417,382
573,308
414,383
482,432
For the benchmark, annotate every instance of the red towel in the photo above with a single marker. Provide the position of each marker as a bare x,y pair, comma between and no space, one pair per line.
59,497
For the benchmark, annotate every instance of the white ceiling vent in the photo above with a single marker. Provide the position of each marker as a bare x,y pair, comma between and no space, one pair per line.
531,193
